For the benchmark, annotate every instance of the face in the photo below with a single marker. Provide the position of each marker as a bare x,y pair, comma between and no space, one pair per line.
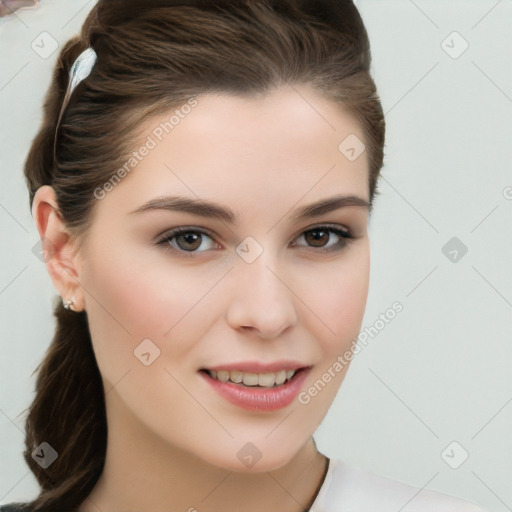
265,291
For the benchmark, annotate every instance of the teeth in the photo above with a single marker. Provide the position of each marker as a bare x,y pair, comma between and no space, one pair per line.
281,376
250,379
266,380
223,376
236,376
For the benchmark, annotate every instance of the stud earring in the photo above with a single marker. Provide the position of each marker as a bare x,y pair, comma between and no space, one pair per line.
69,304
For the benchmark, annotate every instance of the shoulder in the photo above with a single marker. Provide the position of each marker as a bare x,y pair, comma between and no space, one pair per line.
356,489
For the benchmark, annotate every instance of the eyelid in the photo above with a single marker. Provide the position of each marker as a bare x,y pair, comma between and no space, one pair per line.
178,230
187,228
342,232
318,225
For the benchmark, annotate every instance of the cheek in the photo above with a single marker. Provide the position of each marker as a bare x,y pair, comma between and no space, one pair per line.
130,299
338,300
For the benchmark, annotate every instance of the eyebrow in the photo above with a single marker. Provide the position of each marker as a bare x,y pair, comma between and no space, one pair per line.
204,208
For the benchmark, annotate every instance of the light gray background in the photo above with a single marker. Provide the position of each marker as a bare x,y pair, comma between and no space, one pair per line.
440,371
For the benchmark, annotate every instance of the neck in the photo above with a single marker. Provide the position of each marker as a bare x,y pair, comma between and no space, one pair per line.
152,475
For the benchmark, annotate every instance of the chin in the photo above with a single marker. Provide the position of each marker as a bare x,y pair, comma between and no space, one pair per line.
263,465
248,458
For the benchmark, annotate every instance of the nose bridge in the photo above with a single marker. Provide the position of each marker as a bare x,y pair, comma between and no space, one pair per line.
260,277
260,300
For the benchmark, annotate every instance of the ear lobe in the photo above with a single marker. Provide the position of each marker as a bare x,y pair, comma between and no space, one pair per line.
58,246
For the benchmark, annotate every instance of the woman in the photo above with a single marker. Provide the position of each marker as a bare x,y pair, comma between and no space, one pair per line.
202,185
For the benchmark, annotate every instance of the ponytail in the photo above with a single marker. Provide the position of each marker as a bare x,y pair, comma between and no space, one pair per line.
68,413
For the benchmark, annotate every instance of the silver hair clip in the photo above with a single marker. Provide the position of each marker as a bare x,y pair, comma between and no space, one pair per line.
79,71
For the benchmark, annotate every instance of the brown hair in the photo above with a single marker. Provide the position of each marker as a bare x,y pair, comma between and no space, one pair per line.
153,56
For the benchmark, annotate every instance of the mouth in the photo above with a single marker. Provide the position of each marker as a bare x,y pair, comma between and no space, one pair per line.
257,392
254,380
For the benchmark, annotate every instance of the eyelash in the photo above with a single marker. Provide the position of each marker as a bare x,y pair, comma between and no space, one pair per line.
164,240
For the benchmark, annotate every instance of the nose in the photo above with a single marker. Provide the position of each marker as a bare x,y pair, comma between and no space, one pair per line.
262,300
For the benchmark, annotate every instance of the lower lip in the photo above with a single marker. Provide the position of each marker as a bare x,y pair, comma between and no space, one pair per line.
258,398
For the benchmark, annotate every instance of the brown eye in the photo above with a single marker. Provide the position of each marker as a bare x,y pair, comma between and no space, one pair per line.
317,237
186,240
189,241
325,238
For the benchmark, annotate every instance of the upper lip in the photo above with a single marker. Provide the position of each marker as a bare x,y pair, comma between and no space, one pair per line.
258,367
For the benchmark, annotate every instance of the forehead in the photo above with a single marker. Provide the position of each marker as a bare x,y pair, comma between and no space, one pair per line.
284,123
279,146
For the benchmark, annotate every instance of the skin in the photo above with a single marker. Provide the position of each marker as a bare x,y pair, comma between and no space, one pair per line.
173,441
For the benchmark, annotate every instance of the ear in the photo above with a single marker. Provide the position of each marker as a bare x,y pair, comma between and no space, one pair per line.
59,247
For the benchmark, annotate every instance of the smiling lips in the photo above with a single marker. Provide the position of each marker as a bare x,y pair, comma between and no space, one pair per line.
256,386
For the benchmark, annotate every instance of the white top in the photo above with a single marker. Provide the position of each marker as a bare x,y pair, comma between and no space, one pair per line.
348,488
